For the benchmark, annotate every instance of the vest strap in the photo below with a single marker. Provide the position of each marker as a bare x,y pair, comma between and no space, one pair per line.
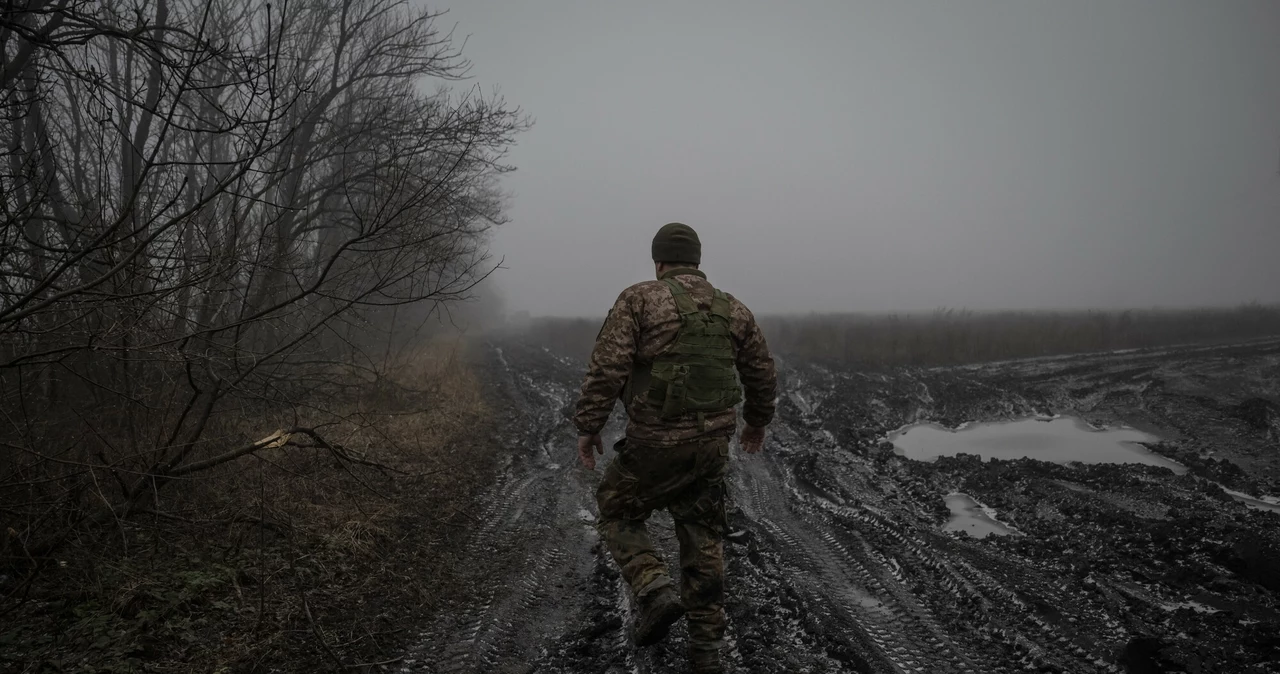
684,303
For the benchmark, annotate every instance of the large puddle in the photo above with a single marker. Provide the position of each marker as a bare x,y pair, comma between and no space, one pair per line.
1061,440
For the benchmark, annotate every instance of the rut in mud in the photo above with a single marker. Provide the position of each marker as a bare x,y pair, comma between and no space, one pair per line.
839,563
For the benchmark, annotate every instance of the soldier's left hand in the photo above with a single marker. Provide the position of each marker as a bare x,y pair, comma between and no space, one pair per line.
585,444
752,439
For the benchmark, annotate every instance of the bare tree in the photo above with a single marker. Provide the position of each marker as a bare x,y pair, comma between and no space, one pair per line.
202,202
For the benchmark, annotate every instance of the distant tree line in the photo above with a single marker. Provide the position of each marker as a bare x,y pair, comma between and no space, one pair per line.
211,211
956,337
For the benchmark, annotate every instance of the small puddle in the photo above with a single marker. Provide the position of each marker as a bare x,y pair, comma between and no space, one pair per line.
1256,504
1061,440
973,518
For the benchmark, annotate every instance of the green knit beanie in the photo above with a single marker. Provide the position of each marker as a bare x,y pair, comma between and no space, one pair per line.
677,242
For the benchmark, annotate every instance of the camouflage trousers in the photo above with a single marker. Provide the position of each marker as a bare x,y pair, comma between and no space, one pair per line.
688,481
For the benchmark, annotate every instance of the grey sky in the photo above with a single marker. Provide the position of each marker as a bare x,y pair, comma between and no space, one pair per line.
871,156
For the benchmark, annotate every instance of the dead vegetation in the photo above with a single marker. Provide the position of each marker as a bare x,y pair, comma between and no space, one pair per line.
223,226
213,212
951,337
298,559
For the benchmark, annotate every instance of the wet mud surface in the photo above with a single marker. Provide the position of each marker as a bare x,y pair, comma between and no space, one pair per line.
840,561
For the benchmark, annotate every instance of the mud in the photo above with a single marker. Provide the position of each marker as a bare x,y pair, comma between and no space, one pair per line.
840,560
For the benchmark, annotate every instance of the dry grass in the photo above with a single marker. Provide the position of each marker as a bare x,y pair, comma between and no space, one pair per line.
216,574
414,421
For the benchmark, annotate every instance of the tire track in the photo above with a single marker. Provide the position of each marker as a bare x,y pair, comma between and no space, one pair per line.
841,569
529,544
851,589
873,561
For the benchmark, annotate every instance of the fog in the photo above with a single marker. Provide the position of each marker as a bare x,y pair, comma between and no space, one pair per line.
891,156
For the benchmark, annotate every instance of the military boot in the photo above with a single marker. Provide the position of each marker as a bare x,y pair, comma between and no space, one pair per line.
658,610
705,661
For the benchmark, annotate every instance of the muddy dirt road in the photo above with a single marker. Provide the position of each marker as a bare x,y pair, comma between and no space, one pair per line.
840,563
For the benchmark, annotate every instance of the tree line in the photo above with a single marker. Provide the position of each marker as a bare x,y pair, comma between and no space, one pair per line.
213,211
959,337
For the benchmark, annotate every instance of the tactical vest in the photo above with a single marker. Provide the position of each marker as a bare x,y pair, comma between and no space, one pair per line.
697,374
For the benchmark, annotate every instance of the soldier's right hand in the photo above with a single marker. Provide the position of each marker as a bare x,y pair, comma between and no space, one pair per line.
752,438
585,444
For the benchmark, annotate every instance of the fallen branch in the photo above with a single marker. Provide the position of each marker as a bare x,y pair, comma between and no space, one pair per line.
338,450
277,439
152,481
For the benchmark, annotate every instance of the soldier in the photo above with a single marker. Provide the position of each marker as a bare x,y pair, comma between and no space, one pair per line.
673,350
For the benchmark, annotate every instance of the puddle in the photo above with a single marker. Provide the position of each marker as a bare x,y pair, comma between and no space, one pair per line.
1061,440
1256,504
973,518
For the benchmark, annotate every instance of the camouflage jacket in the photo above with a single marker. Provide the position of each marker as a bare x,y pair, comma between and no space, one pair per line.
641,325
